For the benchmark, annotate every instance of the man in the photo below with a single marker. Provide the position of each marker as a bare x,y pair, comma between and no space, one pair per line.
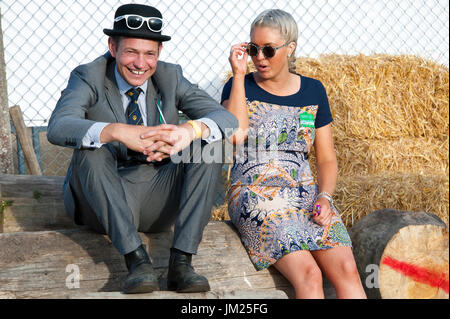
120,114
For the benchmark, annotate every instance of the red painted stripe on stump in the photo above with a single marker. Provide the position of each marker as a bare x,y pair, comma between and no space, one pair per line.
417,273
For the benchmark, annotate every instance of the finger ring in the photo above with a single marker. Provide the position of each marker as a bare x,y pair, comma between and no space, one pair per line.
318,209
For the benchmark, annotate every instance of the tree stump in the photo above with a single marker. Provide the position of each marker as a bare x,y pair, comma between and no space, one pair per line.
402,255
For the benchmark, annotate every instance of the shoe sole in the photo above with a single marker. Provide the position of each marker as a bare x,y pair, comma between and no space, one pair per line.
141,288
193,288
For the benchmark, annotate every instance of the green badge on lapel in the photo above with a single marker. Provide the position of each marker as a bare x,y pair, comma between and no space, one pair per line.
306,119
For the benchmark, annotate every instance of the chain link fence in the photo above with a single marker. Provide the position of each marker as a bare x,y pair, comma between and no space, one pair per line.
45,40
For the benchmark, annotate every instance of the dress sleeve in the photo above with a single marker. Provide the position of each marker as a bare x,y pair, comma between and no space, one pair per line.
226,91
323,116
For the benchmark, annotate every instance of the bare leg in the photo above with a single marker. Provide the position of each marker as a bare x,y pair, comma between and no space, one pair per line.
338,265
301,270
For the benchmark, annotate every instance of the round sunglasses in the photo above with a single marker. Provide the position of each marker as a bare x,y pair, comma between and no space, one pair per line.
267,50
134,21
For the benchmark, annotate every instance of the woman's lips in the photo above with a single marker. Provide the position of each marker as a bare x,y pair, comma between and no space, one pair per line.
262,68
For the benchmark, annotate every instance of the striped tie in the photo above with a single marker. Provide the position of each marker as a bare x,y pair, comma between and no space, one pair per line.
134,117
133,114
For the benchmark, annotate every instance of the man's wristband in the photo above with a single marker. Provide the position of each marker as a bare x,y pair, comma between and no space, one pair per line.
197,129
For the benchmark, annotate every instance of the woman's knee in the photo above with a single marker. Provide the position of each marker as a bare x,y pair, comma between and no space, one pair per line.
311,275
348,268
300,269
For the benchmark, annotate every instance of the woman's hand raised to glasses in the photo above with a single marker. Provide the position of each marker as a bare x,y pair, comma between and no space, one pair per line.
238,58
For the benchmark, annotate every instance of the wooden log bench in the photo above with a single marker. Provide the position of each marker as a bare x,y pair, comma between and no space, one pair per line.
42,252
46,264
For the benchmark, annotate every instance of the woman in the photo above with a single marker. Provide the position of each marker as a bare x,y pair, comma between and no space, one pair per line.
284,218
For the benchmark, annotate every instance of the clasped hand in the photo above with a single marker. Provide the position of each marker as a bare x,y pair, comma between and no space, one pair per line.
158,142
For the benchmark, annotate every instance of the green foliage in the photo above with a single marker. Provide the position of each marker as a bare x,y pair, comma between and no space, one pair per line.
5,203
37,195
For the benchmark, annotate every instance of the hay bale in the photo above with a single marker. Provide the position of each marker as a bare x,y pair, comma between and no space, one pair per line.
404,154
221,212
390,112
383,96
356,196
421,155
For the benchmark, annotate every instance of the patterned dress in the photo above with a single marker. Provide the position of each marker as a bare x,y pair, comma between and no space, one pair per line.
272,190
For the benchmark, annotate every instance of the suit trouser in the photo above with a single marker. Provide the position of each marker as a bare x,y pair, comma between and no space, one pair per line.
120,201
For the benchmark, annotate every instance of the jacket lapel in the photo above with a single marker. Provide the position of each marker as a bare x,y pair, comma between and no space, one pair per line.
152,111
163,83
113,95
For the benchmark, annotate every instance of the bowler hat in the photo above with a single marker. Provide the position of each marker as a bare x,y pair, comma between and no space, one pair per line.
121,28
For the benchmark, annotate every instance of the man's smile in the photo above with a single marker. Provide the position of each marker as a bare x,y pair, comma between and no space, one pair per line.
136,72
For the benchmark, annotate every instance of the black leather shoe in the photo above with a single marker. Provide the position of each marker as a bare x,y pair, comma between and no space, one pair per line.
141,277
181,276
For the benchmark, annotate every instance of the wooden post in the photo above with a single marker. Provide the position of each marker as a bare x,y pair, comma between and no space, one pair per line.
2,215
6,154
25,141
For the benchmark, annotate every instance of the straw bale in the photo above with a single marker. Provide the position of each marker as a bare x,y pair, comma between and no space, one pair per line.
356,196
220,213
405,154
383,96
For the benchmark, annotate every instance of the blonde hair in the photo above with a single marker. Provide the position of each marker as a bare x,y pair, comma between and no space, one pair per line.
284,23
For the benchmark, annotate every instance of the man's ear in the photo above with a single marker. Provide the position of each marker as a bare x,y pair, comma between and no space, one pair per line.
160,48
112,47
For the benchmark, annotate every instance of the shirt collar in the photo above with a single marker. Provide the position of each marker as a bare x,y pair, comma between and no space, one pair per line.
123,86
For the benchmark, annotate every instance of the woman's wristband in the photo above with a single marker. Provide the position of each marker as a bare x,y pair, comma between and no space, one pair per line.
327,196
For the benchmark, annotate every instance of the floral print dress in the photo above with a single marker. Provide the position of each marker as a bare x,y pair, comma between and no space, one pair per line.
272,192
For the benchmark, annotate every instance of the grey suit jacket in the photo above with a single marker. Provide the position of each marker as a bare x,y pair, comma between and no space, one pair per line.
92,95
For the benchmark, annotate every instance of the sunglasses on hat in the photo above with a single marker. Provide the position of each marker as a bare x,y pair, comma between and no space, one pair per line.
134,21
267,50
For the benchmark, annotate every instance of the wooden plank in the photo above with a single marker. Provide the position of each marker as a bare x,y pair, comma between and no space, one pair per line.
30,179
35,216
163,294
34,263
36,203
25,141
235,294
31,186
